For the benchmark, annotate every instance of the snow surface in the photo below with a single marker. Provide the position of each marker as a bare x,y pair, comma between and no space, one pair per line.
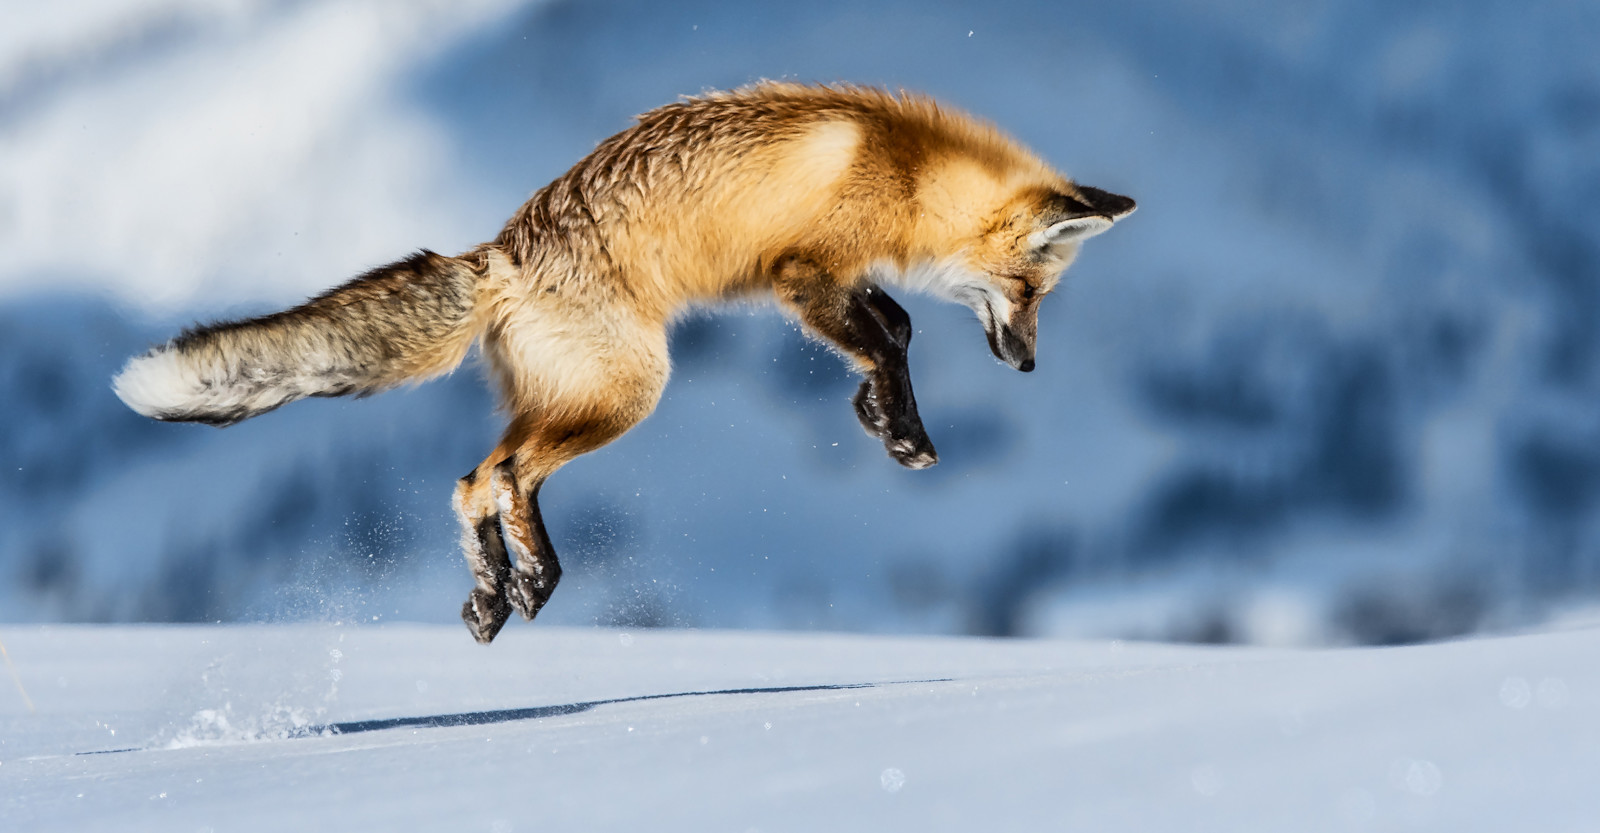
828,732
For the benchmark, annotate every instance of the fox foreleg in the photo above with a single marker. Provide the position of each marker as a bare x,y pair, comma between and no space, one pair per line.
897,322
871,328
885,403
894,317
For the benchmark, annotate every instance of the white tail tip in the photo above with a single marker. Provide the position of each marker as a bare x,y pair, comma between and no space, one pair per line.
159,385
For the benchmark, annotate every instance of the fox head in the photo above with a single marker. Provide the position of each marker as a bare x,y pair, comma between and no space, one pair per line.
1019,259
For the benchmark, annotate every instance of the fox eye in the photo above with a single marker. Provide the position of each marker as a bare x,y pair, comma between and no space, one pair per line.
1028,291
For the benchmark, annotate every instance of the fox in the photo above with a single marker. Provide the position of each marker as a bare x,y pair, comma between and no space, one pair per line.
812,196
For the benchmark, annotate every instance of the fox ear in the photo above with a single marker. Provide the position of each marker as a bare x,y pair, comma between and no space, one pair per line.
1082,217
1070,231
1106,203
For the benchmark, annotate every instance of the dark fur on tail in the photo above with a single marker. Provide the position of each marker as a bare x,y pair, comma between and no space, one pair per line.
402,322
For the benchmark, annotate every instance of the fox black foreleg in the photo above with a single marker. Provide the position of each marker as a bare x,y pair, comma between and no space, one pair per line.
867,324
897,323
885,332
894,317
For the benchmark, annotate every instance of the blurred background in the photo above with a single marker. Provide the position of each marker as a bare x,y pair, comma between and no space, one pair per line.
1337,382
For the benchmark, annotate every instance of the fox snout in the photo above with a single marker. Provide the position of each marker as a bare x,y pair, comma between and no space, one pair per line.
1013,346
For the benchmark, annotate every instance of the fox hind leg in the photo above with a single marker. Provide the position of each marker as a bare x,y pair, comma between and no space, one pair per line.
488,606
570,394
516,485
538,571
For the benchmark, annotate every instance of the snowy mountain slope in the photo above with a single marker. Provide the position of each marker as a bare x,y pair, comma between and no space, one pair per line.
825,732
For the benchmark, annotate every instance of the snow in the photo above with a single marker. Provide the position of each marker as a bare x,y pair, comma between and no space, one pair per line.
596,729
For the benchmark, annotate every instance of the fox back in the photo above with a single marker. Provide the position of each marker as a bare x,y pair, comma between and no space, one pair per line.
697,200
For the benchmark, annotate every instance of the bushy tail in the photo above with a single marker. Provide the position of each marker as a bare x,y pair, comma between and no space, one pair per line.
405,321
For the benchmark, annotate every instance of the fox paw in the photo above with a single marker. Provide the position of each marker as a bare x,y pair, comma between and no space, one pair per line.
485,614
530,591
869,412
913,452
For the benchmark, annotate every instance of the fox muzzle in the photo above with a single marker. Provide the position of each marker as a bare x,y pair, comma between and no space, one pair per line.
1010,347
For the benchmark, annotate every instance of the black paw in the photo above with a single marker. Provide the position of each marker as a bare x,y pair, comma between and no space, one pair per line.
913,450
869,412
529,591
485,614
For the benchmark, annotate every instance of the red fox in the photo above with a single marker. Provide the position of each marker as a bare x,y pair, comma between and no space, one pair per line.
814,195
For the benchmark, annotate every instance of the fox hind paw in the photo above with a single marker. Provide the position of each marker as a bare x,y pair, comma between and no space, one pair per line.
529,592
485,614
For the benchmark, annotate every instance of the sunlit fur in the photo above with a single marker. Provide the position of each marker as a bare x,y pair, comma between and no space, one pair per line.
800,193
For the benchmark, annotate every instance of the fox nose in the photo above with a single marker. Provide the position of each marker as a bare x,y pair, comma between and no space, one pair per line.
1026,366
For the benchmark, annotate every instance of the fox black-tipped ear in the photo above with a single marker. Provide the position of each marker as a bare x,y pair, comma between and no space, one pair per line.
1081,218
1106,203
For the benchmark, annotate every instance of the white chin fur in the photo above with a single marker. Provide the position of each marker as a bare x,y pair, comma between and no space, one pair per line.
948,280
158,384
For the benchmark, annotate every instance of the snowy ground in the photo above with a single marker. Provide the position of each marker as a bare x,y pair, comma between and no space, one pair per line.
568,729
